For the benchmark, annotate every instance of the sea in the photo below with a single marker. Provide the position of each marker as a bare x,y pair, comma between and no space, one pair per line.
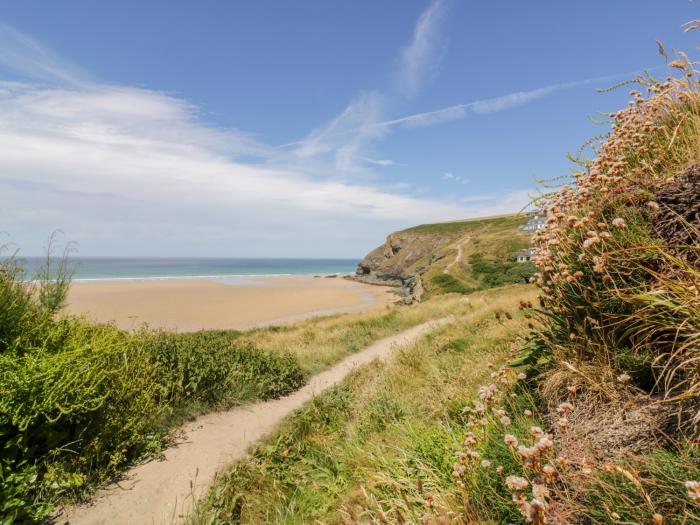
136,268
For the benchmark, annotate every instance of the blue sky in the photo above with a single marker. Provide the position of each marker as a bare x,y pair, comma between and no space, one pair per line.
300,129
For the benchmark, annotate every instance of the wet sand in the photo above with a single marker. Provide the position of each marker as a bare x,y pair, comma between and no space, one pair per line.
220,303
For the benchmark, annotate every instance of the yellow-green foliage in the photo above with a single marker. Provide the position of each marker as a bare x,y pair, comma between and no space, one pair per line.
319,342
78,401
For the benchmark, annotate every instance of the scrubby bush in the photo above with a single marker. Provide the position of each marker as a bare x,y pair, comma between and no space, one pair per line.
78,401
493,273
211,367
450,284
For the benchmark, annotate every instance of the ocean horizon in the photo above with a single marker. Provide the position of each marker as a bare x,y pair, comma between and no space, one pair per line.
86,268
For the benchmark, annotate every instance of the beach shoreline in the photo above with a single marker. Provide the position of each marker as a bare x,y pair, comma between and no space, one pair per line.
221,302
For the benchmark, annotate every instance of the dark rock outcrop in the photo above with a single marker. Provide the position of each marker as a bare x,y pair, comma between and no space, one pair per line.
677,220
402,260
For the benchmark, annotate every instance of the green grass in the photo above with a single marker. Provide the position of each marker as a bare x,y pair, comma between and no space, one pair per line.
637,487
89,399
488,247
79,402
387,433
320,342
447,283
468,225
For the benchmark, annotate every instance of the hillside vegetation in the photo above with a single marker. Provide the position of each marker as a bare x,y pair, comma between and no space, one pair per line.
79,401
580,407
577,406
360,447
451,257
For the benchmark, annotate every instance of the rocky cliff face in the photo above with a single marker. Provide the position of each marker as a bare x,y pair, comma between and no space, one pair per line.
412,258
402,259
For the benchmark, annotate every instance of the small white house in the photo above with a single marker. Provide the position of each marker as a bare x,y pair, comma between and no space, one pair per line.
526,255
538,222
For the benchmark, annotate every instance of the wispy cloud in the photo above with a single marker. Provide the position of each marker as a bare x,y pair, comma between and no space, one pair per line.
490,105
455,178
134,171
480,198
27,56
346,137
158,173
418,61
382,162
340,138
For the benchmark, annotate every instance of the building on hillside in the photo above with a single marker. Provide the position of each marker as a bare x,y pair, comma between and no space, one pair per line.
537,222
526,255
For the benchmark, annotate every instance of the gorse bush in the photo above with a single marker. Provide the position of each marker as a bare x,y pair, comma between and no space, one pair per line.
78,401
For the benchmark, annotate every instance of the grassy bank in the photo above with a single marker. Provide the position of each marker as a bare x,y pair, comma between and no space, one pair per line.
357,450
318,343
598,424
79,401
487,249
602,427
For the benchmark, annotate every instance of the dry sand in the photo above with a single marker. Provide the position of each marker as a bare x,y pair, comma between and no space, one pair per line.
161,492
219,303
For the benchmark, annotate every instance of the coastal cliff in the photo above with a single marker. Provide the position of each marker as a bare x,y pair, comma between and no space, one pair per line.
415,260
402,260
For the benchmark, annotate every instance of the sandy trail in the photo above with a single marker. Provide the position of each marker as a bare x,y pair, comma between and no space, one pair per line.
458,257
163,491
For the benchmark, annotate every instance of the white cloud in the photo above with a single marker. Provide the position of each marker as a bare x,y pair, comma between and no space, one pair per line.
346,137
383,162
480,198
456,178
123,165
486,106
419,60
25,55
130,171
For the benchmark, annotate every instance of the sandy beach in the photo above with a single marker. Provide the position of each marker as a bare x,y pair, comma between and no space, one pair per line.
220,303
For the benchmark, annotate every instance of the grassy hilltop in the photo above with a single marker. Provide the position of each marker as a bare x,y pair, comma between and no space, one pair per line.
460,257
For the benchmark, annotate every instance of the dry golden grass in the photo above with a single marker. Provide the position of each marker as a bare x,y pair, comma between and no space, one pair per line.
320,342
384,438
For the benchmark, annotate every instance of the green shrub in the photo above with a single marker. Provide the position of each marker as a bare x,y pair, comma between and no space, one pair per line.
78,401
650,483
499,273
450,284
213,368
73,415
